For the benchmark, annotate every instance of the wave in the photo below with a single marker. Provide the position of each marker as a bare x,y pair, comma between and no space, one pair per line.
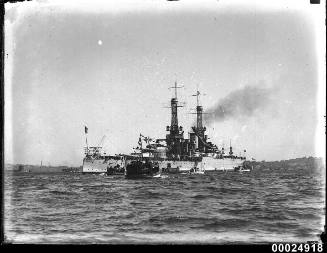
269,206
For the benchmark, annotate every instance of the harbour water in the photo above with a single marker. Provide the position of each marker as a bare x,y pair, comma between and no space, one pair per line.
265,205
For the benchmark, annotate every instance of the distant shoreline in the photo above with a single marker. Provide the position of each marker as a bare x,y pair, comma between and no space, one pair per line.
299,163
41,169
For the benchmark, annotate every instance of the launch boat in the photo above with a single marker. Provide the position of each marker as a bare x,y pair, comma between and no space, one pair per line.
245,168
197,171
142,168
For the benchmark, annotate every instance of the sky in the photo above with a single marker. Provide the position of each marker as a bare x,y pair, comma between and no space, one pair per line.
110,67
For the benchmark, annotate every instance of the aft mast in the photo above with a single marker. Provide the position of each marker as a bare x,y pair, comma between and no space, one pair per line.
199,130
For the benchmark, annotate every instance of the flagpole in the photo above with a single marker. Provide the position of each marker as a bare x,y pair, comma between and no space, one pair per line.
87,146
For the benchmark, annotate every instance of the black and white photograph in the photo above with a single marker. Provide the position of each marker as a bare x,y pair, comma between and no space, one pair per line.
165,122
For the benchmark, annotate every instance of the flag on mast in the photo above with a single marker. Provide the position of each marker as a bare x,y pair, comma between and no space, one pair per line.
87,145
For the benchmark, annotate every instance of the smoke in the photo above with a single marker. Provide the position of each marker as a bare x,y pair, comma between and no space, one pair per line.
240,103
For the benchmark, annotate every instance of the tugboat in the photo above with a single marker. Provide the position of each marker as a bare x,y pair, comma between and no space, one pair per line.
142,168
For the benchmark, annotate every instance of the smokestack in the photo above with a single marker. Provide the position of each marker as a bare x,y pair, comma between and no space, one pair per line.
196,142
174,117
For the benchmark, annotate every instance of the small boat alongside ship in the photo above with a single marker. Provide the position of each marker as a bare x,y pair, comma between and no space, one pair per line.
245,168
197,171
142,169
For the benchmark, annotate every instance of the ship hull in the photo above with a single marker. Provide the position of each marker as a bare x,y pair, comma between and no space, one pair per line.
226,164
110,165
208,164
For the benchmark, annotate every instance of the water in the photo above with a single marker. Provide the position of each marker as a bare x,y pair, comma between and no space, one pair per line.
250,207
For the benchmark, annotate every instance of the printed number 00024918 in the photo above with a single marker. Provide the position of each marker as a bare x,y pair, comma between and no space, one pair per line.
314,247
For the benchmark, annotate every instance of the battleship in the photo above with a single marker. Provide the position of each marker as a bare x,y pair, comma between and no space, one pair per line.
172,154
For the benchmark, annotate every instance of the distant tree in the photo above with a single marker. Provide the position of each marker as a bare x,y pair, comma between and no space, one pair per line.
20,167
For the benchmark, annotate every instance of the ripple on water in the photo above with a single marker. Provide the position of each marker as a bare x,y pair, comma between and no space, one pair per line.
217,208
